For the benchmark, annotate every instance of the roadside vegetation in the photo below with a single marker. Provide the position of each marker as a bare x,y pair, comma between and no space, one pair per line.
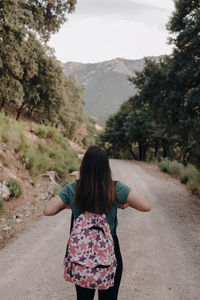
188,175
40,148
40,107
1,204
14,187
162,120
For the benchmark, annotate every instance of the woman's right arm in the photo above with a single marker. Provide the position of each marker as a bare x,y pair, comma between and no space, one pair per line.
137,202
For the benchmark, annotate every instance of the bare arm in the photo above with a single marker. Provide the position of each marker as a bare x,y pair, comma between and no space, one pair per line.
136,202
54,206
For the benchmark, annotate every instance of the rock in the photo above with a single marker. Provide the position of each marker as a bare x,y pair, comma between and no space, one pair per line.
52,176
44,196
4,191
18,220
31,181
6,228
74,173
4,147
19,216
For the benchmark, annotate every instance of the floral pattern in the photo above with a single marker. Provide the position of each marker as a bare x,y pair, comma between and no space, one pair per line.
90,258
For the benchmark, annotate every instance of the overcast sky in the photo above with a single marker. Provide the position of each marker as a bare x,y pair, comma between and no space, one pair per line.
100,30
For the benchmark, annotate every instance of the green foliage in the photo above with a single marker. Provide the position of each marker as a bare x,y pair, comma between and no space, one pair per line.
14,187
90,139
184,179
175,169
163,119
30,77
50,151
51,155
70,114
188,175
56,189
1,204
164,165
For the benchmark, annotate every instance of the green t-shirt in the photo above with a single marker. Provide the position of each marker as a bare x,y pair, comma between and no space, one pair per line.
67,195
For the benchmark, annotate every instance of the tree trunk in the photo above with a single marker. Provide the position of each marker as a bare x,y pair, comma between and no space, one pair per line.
2,103
140,149
144,152
131,151
165,146
19,111
30,111
156,149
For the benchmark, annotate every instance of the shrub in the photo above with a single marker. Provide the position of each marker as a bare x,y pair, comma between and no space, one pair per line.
175,168
56,189
188,175
193,186
72,169
1,204
42,132
53,153
184,179
14,187
164,165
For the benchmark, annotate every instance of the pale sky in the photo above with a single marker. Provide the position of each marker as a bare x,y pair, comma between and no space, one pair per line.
101,30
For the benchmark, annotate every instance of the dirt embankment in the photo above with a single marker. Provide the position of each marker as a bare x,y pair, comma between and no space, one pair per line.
19,213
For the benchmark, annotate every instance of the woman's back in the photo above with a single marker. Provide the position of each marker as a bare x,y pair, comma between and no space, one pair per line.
67,195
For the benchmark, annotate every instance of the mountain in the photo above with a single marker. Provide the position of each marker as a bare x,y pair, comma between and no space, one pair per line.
106,84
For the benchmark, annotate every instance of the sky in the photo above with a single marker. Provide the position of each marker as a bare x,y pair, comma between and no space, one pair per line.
101,30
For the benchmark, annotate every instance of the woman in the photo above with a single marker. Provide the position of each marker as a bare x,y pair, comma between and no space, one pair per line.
96,192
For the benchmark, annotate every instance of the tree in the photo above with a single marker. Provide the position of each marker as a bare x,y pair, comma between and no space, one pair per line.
184,25
24,26
71,111
114,136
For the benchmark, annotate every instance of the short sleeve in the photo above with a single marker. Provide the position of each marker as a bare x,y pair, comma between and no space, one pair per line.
122,190
67,193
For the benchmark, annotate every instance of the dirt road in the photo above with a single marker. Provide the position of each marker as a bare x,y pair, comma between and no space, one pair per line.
161,248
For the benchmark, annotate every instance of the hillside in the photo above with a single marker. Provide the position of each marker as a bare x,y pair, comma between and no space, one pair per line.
35,161
106,84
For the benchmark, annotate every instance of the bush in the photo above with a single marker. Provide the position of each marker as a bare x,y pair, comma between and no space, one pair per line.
188,175
56,189
164,165
50,151
184,179
14,187
42,132
1,204
193,187
175,168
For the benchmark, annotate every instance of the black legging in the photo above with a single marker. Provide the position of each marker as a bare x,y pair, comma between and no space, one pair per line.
112,292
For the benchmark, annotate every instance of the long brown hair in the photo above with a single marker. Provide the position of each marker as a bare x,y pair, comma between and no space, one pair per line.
95,190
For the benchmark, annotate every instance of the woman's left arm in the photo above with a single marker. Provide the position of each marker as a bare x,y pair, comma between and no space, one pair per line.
54,206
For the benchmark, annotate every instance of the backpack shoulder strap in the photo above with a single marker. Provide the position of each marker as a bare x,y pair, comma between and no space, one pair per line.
72,222
72,216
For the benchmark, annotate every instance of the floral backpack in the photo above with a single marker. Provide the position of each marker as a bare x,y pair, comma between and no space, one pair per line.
90,259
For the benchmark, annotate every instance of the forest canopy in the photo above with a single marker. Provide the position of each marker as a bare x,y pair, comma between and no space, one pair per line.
163,118
31,79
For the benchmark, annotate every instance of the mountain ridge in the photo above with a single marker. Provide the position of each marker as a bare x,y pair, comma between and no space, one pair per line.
106,84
